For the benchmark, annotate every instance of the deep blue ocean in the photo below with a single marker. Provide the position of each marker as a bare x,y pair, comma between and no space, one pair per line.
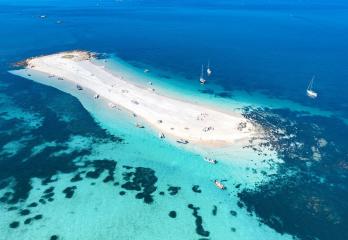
271,48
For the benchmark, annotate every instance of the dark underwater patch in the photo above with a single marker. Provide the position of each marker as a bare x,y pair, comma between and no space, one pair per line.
196,189
14,224
27,221
34,204
173,190
172,214
52,106
24,212
99,167
233,213
308,197
143,181
214,211
76,178
32,219
69,191
198,221
54,237
12,208
37,217
48,195
49,190
127,167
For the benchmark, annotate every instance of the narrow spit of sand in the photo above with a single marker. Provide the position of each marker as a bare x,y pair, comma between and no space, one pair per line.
176,119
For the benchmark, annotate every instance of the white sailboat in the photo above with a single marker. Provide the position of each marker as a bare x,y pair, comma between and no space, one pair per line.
310,92
201,79
209,71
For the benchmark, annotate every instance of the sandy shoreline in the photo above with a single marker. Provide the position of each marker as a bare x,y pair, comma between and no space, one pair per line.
174,118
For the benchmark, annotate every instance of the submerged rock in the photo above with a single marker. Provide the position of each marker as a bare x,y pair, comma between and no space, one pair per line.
173,190
14,224
172,214
198,221
69,191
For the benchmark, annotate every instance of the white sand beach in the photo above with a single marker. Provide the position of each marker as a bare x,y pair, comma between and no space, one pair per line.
172,117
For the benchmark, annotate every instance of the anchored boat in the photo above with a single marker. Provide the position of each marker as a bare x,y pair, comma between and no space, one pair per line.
219,185
182,141
209,71
310,92
138,125
201,79
209,160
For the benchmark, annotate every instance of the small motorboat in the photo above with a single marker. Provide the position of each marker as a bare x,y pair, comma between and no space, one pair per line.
79,87
146,70
182,141
43,16
310,92
219,185
96,96
209,160
138,125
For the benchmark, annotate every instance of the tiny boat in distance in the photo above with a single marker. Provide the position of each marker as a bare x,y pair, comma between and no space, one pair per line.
161,135
310,92
146,70
219,185
209,160
182,141
138,125
201,79
79,87
209,71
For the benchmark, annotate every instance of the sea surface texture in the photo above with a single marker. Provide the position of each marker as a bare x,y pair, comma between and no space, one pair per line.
73,168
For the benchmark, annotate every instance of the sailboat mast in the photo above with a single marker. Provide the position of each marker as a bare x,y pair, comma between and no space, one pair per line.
312,81
310,86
